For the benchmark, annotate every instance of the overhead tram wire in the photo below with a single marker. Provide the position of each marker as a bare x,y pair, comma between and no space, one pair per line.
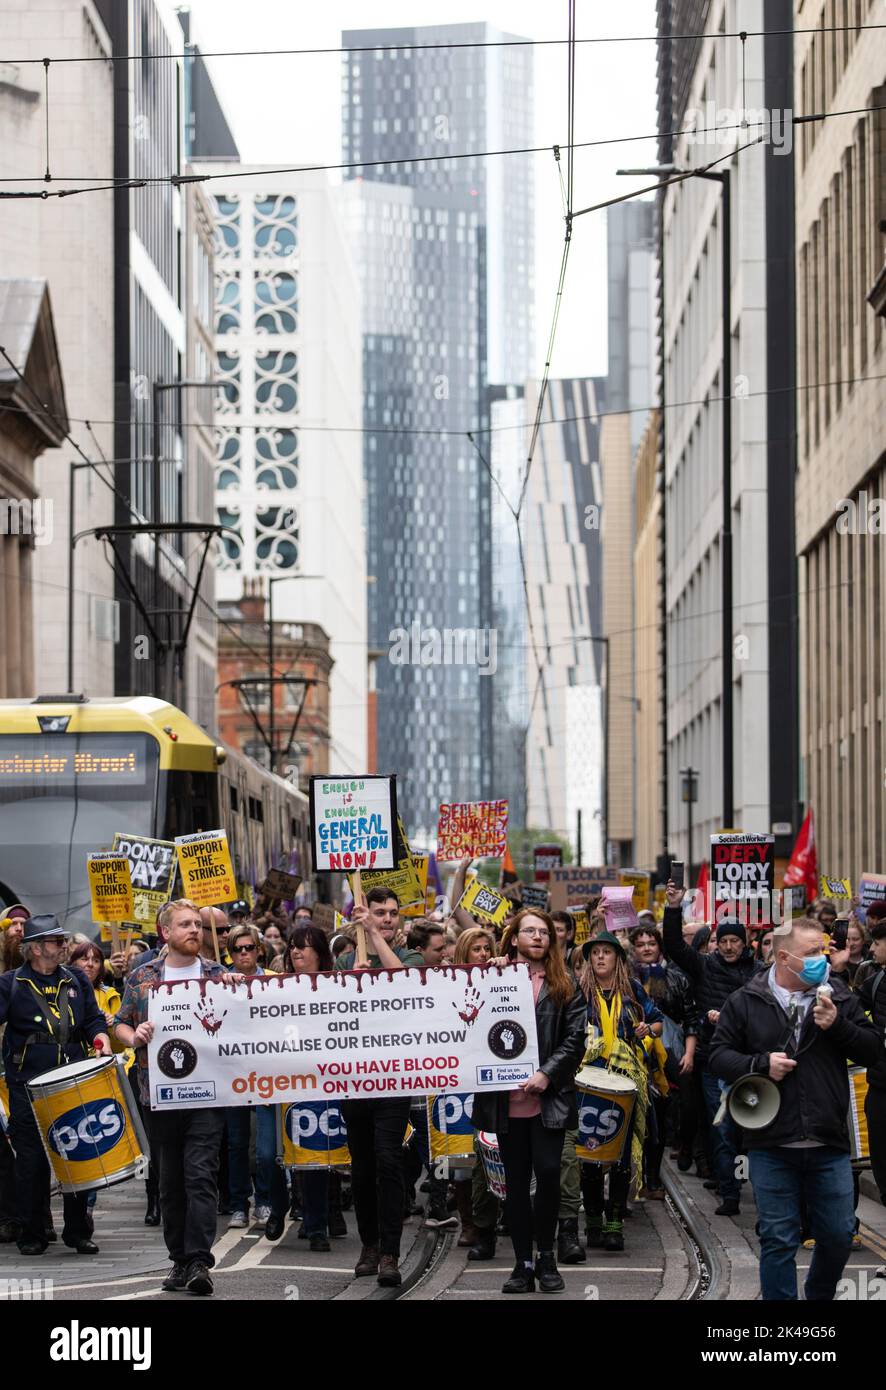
193,51
230,176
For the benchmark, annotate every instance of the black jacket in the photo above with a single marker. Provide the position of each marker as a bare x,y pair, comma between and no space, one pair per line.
561,1046
872,997
815,1095
678,999
29,1046
714,978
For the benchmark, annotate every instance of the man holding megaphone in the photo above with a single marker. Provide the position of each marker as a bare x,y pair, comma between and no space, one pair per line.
783,1042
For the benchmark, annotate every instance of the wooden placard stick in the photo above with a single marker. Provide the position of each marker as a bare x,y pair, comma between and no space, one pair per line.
127,942
115,937
362,956
215,937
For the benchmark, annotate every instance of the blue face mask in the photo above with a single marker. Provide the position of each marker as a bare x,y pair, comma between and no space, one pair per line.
815,969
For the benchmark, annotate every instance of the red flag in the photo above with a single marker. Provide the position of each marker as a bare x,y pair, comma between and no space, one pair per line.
508,872
803,863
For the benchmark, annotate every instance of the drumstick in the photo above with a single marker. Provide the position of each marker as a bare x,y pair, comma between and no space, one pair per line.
362,957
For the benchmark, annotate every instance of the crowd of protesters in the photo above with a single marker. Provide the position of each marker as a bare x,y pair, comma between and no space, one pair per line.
677,1008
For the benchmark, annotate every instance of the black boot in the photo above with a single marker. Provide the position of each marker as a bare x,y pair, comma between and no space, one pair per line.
152,1215
570,1250
484,1246
547,1275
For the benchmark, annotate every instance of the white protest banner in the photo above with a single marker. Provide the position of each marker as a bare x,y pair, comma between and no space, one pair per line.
353,822
742,870
351,1034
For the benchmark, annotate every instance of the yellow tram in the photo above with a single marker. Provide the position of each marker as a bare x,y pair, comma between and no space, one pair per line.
74,771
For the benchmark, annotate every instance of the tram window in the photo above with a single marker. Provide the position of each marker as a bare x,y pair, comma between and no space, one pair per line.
234,798
191,802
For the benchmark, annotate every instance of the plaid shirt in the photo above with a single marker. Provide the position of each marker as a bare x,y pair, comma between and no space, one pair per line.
141,983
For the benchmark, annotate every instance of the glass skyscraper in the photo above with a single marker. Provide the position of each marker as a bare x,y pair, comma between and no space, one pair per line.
444,247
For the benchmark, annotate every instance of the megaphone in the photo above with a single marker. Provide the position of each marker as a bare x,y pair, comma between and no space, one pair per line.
752,1101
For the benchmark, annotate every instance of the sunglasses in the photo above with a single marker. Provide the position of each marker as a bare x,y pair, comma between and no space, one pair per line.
235,950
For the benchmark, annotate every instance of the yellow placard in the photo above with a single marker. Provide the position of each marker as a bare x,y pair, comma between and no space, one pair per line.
582,924
133,933
402,879
204,861
421,862
836,887
483,902
660,902
110,887
641,884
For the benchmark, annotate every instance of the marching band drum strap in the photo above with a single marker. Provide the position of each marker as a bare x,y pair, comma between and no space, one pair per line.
59,1026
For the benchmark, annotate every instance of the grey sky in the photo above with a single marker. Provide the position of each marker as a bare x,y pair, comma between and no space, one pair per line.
287,109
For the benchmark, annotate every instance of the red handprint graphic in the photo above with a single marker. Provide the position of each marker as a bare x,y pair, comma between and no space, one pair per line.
472,1007
205,1014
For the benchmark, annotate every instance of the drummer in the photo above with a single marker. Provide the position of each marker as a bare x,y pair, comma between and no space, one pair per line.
623,1024
51,1019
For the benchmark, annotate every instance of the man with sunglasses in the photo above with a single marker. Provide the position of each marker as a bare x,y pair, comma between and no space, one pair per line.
51,1019
794,1025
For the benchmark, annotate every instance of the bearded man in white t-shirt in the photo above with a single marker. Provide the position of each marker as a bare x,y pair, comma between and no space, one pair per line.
184,1143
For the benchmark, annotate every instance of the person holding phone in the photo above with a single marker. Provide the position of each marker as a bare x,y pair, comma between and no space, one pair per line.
715,978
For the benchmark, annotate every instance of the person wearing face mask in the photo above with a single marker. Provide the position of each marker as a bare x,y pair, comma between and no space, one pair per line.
715,977
779,1025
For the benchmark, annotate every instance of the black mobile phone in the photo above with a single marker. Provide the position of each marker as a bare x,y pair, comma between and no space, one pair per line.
677,873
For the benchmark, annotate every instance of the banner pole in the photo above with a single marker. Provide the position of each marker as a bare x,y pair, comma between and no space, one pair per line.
362,957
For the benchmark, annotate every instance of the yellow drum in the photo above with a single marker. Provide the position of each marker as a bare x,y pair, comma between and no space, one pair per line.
858,1120
312,1134
605,1106
91,1130
4,1105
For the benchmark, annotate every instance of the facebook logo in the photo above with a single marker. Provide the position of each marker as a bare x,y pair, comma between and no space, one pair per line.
165,1093
486,1074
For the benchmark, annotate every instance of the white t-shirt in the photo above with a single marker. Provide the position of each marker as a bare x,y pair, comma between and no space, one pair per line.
193,971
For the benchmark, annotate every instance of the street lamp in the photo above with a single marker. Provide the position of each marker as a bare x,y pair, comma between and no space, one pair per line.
604,642
689,783
721,176
272,731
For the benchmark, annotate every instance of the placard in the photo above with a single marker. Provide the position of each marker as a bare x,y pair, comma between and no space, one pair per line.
741,867
110,886
618,907
483,902
353,821
279,884
582,924
642,885
204,862
428,892
572,883
534,895
472,830
835,887
352,1034
545,858
872,889
152,866
402,879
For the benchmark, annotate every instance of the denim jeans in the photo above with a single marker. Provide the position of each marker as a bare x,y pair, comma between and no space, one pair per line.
785,1181
240,1183
724,1140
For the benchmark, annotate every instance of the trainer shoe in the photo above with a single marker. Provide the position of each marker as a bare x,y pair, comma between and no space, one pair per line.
261,1215
199,1280
728,1207
440,1220
238,1221
320,1243
176,1279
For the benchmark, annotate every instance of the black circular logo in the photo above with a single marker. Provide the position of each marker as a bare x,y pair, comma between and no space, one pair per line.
177,1057
507,1039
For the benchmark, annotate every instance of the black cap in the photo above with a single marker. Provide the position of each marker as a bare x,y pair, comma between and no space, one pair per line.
239,908
41,928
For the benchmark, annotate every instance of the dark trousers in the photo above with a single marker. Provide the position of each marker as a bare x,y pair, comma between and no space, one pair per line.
32,1178
152,1189
593,1177
724,1141
186,1146
529,1148
654,1147
315,1201
695,1129
875,1111
376,1129
7,1181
